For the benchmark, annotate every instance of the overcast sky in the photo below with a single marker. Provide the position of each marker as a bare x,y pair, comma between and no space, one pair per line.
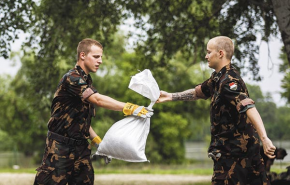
271,77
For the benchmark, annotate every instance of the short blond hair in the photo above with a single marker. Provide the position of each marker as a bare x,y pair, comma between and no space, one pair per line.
226,44
85,46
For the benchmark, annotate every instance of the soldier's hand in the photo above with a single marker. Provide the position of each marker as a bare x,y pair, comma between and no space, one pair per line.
164,97
105,158
269,148
96,141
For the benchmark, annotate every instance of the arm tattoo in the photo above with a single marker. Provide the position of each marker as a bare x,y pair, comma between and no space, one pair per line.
188,95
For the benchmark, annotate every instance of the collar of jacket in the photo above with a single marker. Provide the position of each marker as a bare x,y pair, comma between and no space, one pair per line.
83,73
217,76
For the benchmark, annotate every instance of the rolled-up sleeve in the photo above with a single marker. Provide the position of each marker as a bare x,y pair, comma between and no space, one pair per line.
236,95
203,91
245,104
198,93
88,92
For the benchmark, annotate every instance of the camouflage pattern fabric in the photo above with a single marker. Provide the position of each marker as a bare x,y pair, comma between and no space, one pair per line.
70,112
232,134
70,117
239,171
64,164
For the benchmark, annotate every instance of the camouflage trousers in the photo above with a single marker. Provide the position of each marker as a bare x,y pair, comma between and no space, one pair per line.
239,171
65,164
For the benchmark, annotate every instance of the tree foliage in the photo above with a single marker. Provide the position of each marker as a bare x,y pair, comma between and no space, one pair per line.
281,8
285,69
186,26
168,26
24,123
55,31
15,16
276,119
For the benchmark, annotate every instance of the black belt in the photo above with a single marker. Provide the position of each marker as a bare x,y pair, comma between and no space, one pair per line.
65,140
215,156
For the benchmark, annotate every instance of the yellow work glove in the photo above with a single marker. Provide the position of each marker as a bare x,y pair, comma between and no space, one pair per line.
96,141
136,110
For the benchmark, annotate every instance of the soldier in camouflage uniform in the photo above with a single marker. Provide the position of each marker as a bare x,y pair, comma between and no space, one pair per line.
235,123
66,158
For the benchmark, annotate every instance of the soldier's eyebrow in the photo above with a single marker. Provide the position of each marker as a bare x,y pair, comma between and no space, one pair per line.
96,55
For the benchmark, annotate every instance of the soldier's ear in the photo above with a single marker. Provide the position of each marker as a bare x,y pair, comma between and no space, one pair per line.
221,53
82,55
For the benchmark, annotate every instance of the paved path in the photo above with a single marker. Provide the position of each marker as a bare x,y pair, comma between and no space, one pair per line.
114,179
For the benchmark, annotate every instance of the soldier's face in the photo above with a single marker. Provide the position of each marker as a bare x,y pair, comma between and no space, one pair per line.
93,59
212,55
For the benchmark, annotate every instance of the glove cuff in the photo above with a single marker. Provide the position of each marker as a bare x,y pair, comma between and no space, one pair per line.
129,108
97,140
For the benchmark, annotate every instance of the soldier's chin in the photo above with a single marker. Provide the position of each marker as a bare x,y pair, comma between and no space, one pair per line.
94,70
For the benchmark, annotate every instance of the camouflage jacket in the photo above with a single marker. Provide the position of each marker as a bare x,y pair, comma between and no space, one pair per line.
70,112
232,133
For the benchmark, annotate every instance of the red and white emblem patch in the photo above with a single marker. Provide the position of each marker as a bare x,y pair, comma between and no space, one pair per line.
233,86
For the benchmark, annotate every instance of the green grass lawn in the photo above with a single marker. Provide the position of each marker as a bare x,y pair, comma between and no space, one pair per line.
135,168
155,170
126,171
144,168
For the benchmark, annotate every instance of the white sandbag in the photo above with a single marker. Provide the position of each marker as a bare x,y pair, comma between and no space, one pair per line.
145,84
126,139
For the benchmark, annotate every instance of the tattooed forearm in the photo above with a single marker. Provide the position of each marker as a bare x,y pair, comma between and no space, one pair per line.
187,95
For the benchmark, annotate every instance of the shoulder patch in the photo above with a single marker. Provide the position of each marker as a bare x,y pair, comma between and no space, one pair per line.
82,82
233,86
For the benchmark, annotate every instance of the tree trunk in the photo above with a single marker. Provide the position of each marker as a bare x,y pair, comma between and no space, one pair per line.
282,12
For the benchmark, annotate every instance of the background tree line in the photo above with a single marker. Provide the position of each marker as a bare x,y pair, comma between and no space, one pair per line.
172,45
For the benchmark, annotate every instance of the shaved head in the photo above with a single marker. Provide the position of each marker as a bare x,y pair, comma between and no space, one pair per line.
224,43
